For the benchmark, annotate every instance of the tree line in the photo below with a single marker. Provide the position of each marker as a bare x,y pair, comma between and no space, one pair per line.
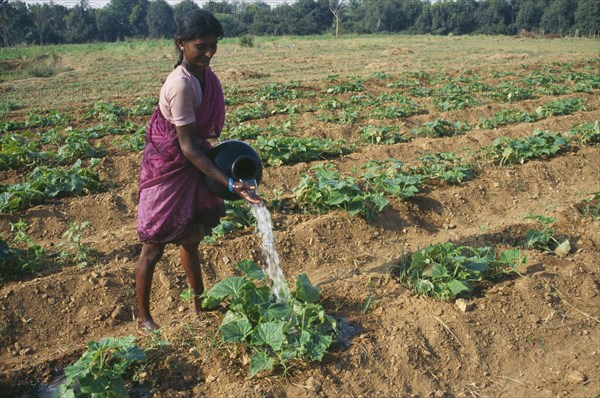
50,23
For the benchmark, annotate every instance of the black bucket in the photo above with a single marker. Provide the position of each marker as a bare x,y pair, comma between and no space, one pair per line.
237,160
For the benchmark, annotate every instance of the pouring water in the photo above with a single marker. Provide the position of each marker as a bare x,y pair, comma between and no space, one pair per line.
264,227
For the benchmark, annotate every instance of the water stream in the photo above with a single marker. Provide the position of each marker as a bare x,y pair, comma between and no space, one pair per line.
264,227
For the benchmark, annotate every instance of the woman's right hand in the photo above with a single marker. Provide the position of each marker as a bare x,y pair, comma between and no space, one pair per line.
247,192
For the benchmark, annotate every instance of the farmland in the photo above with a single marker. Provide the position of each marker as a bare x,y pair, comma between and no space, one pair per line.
378,151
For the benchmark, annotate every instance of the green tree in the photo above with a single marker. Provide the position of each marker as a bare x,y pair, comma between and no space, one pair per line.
559,17
48,21
15,23
80,24
107,24
529,14
587,17
183,7
137,18
222,7
493,17
159,19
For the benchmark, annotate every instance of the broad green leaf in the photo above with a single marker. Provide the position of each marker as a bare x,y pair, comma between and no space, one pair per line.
479,266
305,291
318,346
511,257
235,327
276,311
131,353
458,287
255,297
251,269
229,286
260,361
423,286
269,333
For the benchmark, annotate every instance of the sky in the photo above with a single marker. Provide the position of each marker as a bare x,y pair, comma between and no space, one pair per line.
102,3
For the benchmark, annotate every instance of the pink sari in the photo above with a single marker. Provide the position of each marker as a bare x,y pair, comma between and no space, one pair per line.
173,195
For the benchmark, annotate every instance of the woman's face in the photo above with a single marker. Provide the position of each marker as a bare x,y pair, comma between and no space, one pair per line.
197,53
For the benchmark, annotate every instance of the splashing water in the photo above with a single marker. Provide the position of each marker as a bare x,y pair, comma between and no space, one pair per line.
264,226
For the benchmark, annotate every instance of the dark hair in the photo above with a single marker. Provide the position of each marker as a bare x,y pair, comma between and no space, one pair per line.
196,24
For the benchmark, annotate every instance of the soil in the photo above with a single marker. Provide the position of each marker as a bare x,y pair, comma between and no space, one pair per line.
535,333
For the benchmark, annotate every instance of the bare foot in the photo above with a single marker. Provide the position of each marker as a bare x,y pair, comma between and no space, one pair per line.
145,328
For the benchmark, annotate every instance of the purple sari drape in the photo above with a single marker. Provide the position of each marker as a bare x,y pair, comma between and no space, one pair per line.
173,195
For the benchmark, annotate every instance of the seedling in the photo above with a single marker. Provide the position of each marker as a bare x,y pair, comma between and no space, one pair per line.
544,239
76,251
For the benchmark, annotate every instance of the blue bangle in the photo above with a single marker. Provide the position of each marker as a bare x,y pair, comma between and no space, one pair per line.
230,184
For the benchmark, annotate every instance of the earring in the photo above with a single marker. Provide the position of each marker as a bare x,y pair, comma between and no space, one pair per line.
181,48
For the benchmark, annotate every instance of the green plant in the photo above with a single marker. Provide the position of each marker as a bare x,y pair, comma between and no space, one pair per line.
326,190
586,133
274,333
590,207
508,116
442,128
25,258
544,239
565,106
187,295
444,271
383,135
452,97
511,92
387,177
278,91
346,87
396,111
100,370
49,182
76,251
445,166
246,41
278,150
248,112
505,150
144,106
237,216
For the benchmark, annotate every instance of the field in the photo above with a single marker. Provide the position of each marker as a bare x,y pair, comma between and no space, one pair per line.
375,148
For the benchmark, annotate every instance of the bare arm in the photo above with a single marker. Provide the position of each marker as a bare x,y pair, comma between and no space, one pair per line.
186,135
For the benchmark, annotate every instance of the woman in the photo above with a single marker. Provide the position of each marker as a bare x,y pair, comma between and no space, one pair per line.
175,205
